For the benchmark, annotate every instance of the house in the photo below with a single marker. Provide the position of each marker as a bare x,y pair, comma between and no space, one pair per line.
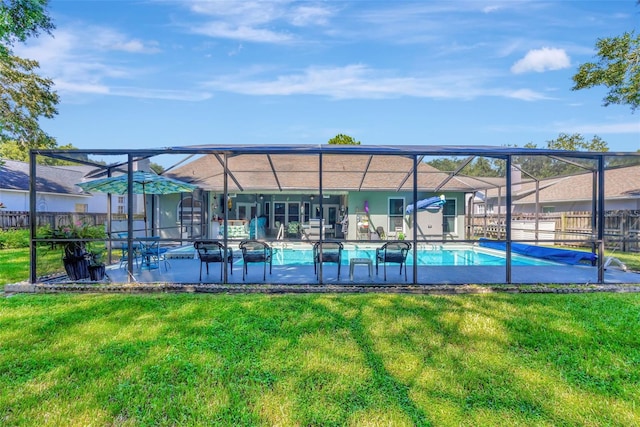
568,193
360,195
55,189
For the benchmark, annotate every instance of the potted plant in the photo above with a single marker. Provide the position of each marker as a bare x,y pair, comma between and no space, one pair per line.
73,239
97,268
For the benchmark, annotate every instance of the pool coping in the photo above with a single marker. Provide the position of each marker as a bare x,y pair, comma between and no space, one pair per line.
262,288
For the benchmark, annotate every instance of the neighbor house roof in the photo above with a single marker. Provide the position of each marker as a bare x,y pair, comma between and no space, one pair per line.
619,183
14,175
300,172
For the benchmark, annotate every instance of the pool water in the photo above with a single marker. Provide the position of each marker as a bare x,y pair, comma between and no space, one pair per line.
458,256
437,257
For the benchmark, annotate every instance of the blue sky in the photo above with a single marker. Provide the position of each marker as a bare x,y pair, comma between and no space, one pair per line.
149,74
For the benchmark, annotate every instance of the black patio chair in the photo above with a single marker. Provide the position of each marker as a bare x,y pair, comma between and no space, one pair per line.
331,252
393,252
213,251
256,251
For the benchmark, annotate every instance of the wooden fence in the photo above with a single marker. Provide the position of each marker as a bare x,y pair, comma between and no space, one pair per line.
621,228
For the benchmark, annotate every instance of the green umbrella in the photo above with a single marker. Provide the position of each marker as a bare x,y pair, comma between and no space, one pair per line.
143,183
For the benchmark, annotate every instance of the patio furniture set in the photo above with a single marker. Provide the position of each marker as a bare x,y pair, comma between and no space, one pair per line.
147,254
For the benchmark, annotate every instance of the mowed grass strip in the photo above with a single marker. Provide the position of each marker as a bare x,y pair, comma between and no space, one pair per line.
299,360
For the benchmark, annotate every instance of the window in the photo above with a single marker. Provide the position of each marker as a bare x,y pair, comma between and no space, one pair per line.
121,200
449,216
81,207
190,214
279,213
548,209
121,210
294,212
190,211
286,212
306,211
267,212
396,214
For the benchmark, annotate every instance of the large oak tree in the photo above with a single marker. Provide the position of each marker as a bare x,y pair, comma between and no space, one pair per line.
25,96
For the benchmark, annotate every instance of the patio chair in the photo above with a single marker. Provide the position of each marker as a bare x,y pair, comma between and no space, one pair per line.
151,254
256,251
331,252
393,252
213,251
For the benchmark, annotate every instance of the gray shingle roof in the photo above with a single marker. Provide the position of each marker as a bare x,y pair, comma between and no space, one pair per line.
619,183
14,175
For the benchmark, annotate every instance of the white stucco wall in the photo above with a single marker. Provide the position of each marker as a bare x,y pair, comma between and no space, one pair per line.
15,200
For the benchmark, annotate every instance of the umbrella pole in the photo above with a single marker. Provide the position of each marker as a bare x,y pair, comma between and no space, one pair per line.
144,210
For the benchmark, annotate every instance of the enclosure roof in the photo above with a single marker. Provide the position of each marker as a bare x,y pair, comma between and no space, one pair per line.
345,167
408,150
301,172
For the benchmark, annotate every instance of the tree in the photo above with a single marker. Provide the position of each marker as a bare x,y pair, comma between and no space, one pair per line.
20,20
618,68
14,151
24,95
576,142
341,139
545,167
157,168
480,166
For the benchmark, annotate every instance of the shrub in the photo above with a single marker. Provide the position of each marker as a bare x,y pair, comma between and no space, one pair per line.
14,239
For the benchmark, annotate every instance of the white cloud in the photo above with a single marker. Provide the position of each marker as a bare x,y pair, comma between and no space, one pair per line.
358,81
256,21
526,95
240,32
632,127
540,60
490,9
79,61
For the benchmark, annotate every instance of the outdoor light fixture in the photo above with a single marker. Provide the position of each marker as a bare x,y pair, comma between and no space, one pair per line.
312,197
261,197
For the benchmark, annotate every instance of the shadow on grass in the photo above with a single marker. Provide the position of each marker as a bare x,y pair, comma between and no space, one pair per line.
319,359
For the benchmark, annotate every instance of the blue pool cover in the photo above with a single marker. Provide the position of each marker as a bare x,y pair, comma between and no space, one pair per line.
565,256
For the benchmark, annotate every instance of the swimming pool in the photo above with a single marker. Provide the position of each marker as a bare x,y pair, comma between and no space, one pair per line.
436,257
458,255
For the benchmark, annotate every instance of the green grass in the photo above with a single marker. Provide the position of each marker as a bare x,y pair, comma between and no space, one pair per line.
15,264
632,260
301,360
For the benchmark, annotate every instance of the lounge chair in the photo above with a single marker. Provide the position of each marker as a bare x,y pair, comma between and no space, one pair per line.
393,252
331,252
213,251
256,251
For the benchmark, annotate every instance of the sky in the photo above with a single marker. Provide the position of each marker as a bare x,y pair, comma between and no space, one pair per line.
153,74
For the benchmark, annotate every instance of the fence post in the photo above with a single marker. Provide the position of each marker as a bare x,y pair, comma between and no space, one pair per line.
624,229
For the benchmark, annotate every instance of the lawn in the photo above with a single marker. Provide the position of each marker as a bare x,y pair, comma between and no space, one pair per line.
301,360
15,264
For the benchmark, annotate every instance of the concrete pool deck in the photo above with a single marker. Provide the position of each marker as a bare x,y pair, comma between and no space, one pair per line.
188,270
